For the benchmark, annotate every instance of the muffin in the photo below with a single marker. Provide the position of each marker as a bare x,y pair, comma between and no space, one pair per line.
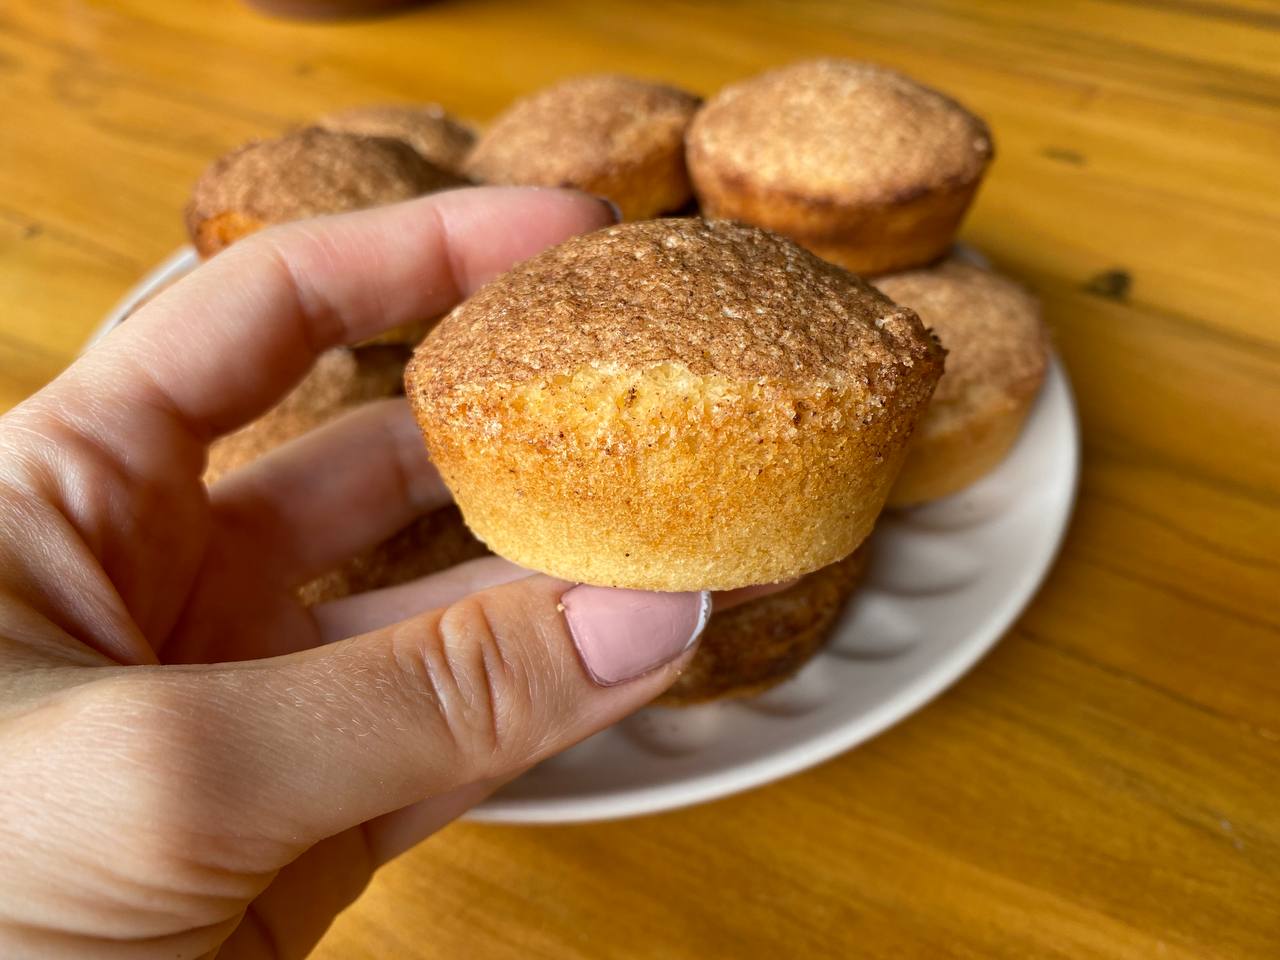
858,163
748,649
303,174
341,380
437,137
617,137
433,542
673,405
997,352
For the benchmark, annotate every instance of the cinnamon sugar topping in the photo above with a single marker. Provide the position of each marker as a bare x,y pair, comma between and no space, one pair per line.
574,132
843,130
712,296
990,326
426,127
313,172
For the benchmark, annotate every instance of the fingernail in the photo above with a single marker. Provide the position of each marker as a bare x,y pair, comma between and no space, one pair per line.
623,634
614,209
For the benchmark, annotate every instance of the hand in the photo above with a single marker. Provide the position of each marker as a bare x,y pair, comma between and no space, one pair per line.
189,759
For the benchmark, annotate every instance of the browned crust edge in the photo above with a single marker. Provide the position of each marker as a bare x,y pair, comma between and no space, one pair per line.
644,187
910,229
940,463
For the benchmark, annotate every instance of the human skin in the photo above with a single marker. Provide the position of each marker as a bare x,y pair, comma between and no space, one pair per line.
191,762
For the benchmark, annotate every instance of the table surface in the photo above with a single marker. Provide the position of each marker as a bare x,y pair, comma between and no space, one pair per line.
1107,782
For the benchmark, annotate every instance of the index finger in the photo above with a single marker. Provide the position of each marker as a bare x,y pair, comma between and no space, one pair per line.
225,343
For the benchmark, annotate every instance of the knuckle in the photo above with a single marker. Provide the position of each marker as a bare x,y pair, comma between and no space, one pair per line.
478,685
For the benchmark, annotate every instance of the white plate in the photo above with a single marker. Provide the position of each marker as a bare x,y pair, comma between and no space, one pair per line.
945,582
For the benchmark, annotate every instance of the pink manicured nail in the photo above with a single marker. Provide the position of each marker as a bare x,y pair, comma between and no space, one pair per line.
623,634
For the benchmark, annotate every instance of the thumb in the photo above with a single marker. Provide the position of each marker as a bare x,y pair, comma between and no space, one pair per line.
334,736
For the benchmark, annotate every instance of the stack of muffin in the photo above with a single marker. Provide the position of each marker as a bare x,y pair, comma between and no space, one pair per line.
858,164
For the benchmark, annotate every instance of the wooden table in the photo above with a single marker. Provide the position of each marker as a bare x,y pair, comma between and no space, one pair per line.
1107,782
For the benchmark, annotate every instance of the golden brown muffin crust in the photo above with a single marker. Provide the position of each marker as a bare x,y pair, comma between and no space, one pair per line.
426,127
715,297
673,405
840,131
309,173
991,327
595,133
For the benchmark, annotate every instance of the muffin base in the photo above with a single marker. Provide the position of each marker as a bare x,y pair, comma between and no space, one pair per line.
724,503
946,459
747,650
652,186
866,238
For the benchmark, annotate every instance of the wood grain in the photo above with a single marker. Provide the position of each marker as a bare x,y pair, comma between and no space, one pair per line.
1105,783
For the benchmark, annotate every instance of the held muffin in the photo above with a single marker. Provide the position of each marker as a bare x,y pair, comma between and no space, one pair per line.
614,136
748,649
437,137
303,174
673,405
862,165
997,352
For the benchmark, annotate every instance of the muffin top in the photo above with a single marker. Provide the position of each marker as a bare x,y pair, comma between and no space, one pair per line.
312,172
716,298
996,343
840,130
569,133
426,127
